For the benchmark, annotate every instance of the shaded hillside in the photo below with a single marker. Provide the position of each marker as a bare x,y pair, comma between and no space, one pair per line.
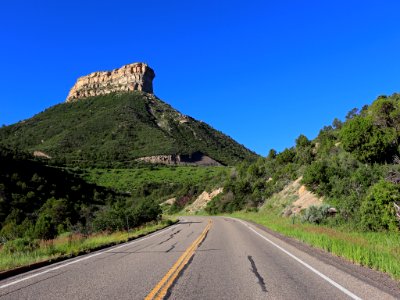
115,129
38,201
26,185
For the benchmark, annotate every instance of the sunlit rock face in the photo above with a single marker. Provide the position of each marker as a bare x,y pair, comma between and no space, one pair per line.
132,77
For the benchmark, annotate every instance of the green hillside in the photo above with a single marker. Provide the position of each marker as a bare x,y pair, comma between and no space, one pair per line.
38,201
115,129
166,180
353,164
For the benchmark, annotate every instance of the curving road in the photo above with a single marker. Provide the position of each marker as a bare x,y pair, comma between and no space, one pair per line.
201,259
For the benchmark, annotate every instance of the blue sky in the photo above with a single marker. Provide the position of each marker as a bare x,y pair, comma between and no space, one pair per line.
263,72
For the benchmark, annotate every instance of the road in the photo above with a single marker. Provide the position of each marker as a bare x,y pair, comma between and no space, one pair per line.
200,258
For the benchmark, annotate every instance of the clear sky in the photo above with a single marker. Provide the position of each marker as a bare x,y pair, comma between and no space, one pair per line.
262,72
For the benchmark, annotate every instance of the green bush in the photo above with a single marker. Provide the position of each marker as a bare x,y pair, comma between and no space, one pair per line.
304,150
110,219
286,156
125,216
377,210
147,211
20,245
45,228
316,214
367,141
317,177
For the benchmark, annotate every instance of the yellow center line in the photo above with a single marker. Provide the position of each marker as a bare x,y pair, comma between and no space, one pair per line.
161,288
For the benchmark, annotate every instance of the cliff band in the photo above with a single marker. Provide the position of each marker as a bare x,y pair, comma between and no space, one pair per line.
132,77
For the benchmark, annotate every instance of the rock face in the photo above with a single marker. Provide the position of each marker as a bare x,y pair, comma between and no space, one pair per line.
41,154
202,200
132,77
195,159
299,197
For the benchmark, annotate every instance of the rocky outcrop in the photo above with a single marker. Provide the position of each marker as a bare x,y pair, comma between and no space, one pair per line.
202,200
196,159
296,198
41,154
132,77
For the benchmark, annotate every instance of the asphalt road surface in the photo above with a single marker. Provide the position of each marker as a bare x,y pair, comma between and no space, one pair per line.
202,258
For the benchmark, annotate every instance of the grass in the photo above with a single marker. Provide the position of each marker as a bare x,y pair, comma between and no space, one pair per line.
70,245
133,179
376,250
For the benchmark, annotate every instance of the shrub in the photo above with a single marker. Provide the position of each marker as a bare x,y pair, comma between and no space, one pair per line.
126,216
286,156
368,142
179,204
316,214
377,210
44,228
109,219
316,177
20,245
147,211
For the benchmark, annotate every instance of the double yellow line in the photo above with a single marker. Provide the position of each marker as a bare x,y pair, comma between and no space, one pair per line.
161,289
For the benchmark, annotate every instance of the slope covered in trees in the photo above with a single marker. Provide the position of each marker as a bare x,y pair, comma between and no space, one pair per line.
353,164
40,202
115,129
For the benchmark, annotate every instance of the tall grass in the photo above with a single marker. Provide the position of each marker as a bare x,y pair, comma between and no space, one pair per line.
70,245
376,250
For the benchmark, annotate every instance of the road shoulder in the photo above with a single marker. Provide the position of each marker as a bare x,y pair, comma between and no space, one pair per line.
371,277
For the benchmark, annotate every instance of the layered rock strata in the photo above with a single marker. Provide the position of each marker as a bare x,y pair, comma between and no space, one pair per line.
132,77
195,159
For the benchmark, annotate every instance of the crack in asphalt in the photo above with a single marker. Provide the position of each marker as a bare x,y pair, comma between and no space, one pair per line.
171,236
172,247
260,279
190,234
137,248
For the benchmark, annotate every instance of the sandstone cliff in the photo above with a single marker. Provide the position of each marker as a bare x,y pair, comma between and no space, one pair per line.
132,77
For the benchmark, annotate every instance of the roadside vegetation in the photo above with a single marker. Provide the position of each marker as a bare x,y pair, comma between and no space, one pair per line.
24,252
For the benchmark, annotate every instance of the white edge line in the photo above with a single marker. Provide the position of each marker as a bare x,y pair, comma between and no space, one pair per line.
334,283
85,258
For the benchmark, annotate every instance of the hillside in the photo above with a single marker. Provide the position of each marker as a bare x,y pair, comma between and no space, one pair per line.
38,201
352,164
114,130
26,184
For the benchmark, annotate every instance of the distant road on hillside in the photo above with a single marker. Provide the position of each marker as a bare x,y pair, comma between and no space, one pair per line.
203,258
